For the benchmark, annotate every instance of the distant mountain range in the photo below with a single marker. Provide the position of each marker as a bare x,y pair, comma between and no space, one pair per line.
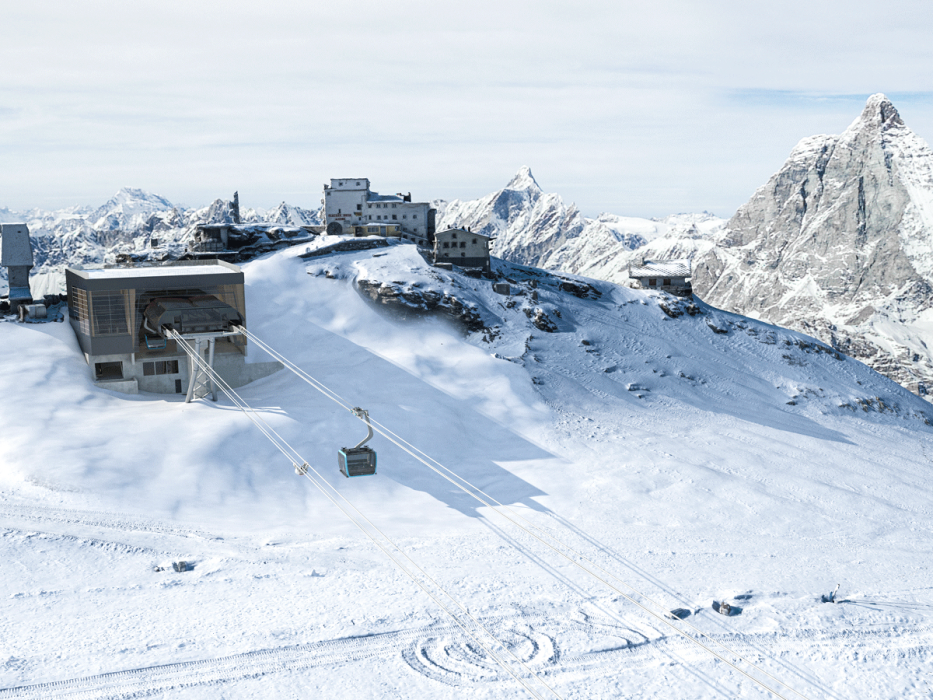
125,224
837,244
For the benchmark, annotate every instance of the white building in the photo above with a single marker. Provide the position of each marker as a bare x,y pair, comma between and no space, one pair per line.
348,203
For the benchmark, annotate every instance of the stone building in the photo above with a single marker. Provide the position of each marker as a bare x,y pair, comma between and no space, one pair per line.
462,247
349,202
667,275
119,316
16,257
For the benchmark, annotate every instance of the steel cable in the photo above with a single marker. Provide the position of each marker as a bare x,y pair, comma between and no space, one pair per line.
306,469
495,505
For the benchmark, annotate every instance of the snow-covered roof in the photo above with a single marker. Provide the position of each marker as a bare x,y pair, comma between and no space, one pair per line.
15,248
157,271
660,268
376,197
463,230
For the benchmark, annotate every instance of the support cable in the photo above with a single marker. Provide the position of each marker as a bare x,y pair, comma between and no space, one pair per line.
495,506
320,483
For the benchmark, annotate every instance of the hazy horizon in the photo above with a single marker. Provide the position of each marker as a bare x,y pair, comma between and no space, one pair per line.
634,110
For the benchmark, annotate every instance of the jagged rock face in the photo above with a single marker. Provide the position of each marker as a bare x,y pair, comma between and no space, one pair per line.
535,228
839,244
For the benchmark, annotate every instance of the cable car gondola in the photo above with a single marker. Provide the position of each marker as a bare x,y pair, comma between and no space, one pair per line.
358,460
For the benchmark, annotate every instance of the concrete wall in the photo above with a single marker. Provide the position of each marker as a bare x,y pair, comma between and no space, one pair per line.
462,248
15,246
18,276
344,201
232,367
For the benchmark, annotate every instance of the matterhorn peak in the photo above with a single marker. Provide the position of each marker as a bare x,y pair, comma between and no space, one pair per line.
879,113
523,180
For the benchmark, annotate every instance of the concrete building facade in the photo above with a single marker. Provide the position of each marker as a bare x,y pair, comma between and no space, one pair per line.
109,310
349,203
462,247
16,257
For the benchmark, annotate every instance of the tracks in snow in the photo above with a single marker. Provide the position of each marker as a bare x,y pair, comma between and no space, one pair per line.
551,646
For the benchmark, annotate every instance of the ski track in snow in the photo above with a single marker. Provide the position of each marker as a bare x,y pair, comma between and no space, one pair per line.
436,652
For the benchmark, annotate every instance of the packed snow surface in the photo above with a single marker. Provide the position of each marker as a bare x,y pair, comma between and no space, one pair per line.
699,456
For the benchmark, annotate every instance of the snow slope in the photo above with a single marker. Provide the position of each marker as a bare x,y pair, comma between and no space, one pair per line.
700,457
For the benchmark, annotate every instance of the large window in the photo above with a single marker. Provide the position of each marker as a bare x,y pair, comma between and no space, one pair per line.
79,310
110,312
160,367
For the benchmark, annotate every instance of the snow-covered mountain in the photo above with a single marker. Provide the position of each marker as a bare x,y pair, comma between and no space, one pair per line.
839,244
694,456
125,224
535,228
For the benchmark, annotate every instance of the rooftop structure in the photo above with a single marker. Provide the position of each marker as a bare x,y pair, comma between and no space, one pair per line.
121,317
349,203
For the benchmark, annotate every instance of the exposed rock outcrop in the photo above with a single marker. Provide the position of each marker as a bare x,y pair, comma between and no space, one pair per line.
839,244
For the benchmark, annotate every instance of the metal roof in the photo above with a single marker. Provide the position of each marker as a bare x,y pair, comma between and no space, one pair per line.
660,268
15,248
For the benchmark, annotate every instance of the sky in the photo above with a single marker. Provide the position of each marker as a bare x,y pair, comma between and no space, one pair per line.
639,109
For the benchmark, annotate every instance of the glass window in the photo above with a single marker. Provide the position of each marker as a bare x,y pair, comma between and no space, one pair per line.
78,309
667,281
463,244
414,216
110,313
148,369
395,217
652,282
447,245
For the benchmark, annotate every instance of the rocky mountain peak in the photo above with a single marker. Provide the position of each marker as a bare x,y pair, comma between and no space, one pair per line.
879,114
839,244
523,180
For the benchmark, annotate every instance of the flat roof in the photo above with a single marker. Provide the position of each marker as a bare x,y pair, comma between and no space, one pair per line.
187,273
179,271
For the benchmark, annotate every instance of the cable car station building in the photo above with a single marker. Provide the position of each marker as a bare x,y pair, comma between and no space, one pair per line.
119,316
